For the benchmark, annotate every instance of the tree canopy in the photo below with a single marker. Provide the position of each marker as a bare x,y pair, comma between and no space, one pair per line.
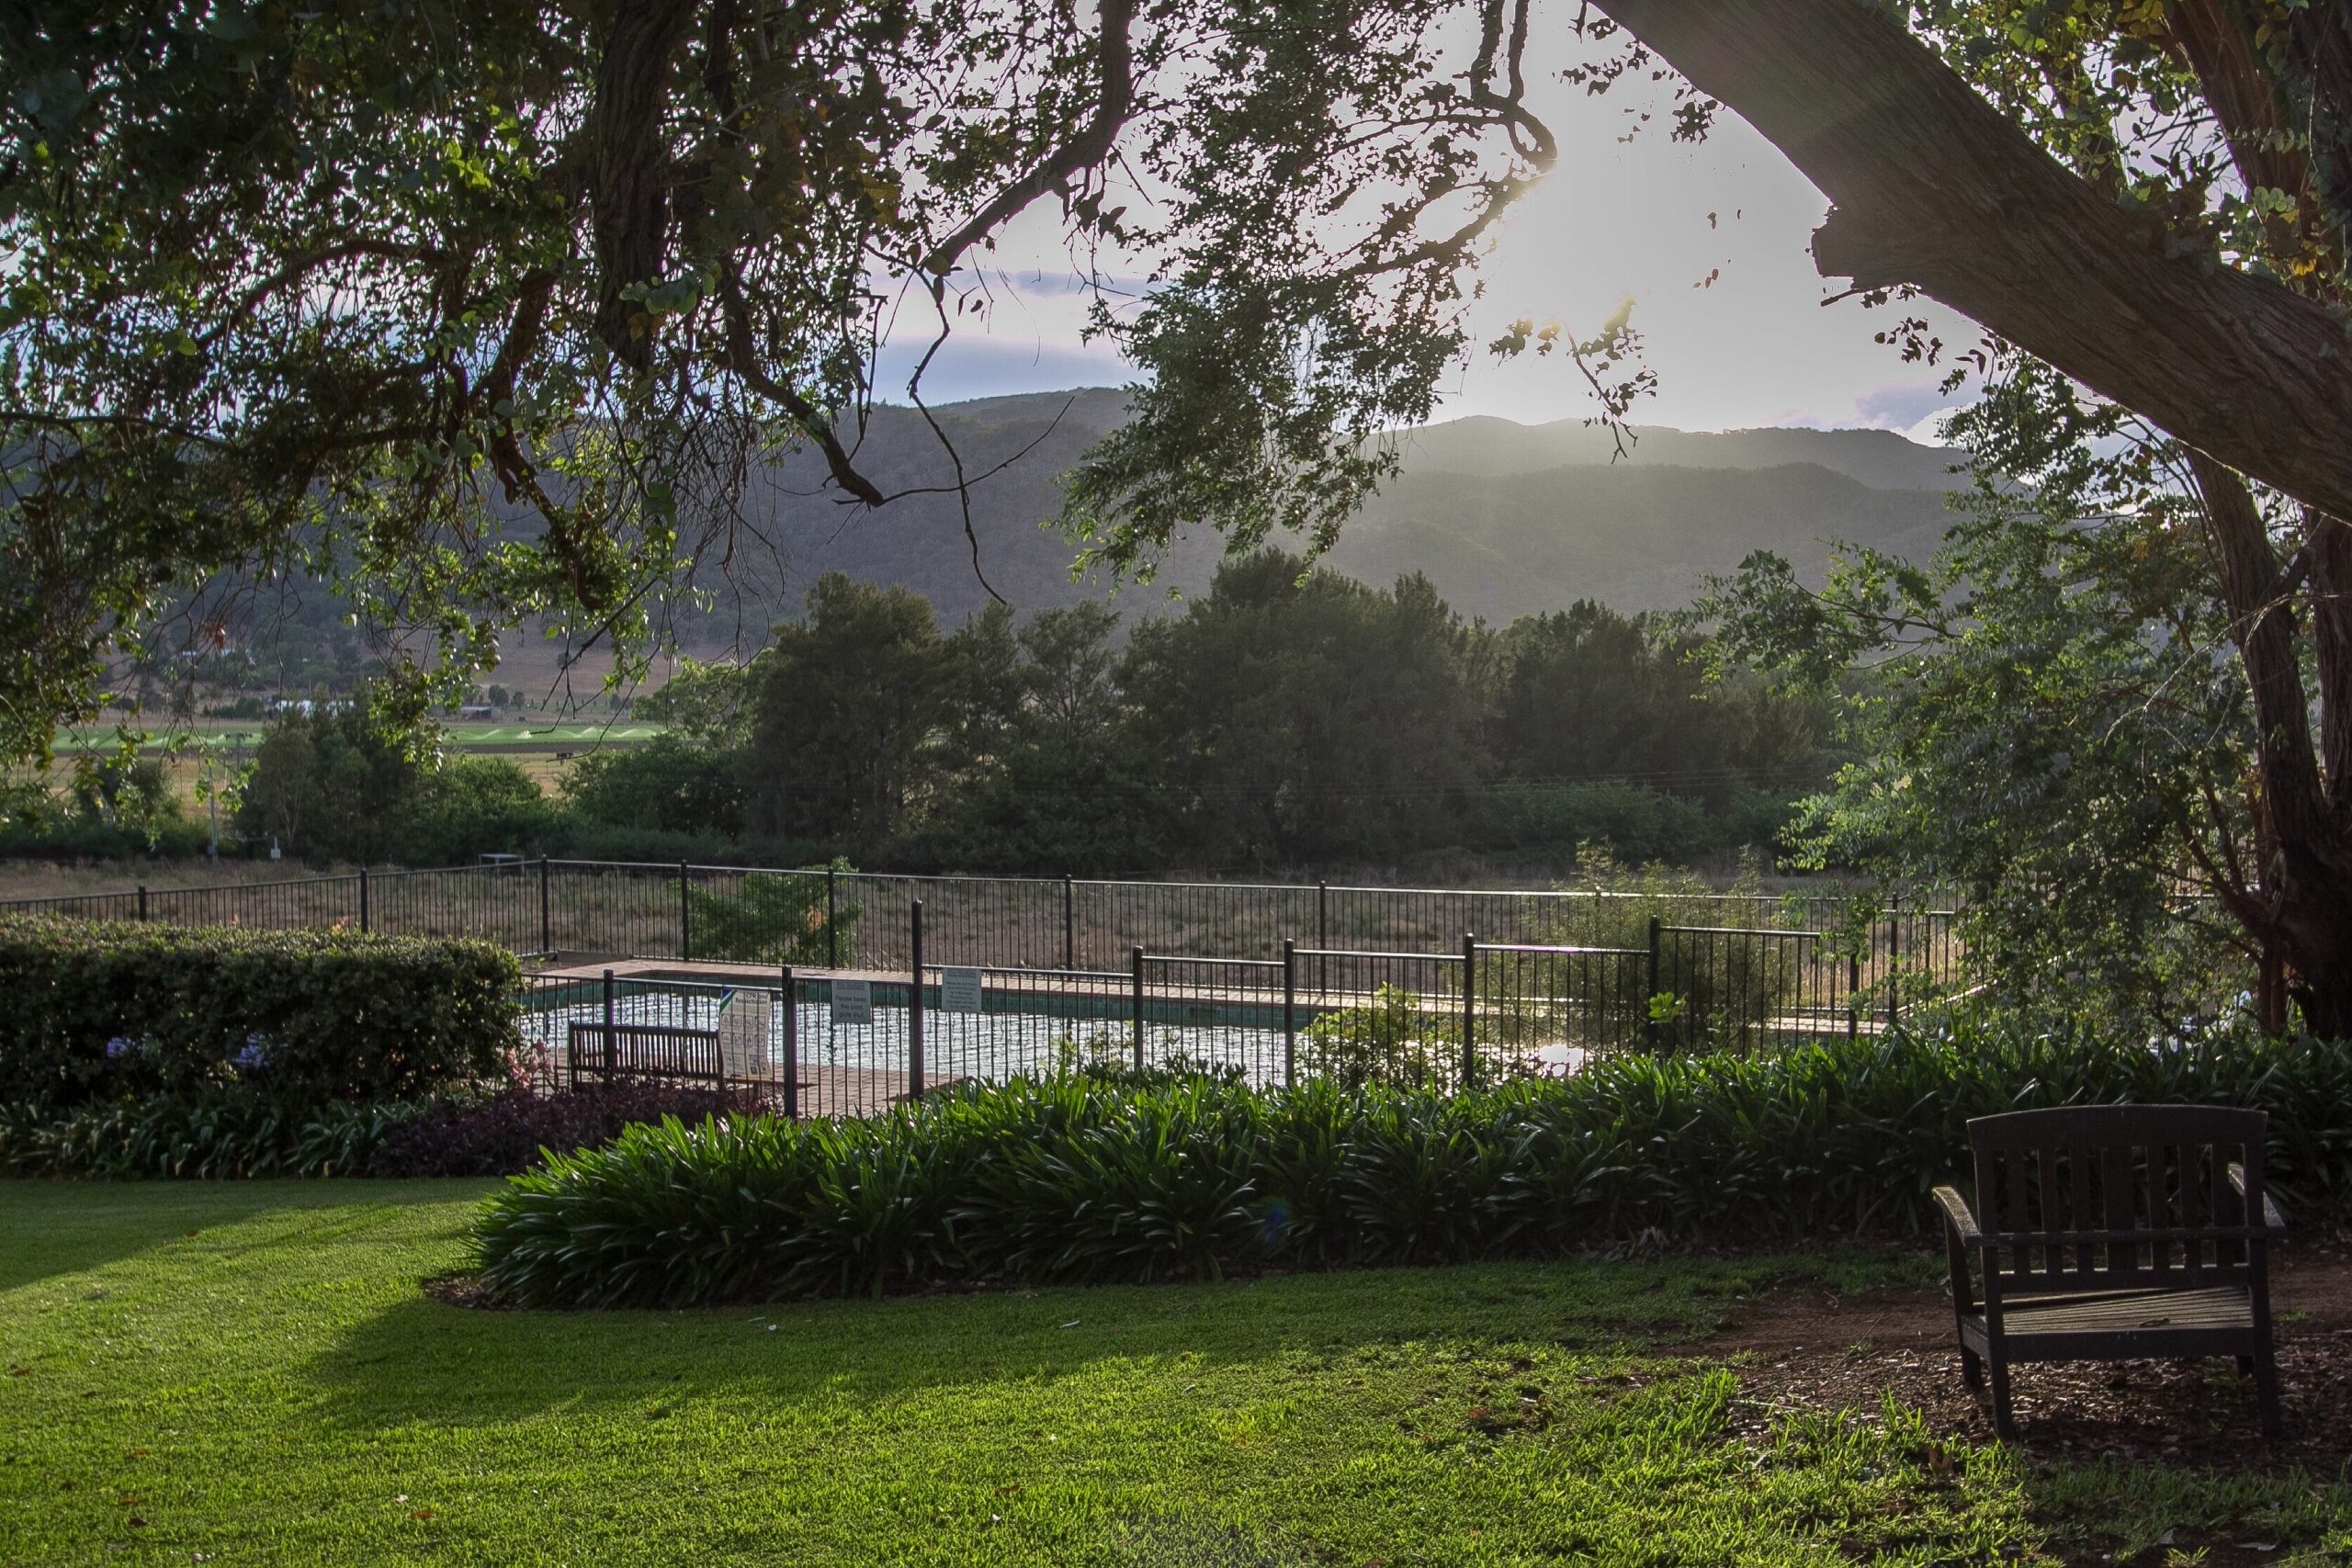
483,310
2121,699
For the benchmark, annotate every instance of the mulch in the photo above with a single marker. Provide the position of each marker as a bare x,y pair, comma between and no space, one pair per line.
1808,1349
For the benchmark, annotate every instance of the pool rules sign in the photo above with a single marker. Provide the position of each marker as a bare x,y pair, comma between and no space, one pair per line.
854,1001
959,990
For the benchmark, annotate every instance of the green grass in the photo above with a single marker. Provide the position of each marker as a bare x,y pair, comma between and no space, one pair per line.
250,1371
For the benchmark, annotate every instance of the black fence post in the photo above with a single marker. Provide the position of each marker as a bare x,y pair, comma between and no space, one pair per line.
1469,1008
1853,986
143,900
791,1046
1893,965
685,932
1138,957
1070,922
547,911
363,900
610,1021
1290,1011
832,924
1322,934
1649,996
914,1006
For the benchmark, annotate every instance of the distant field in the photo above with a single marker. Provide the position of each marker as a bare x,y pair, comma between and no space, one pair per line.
461,737
536,746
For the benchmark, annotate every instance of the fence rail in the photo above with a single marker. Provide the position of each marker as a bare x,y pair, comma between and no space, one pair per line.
842,992
631,909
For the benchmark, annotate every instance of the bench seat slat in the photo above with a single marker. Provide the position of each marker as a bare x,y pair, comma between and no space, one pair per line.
2221,1307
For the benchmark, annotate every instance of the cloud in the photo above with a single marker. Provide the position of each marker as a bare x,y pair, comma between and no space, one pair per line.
1043,283
1929,432
1903,406
971,366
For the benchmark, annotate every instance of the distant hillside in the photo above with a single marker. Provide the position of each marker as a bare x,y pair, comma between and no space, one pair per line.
1634,538
1880,459
1505,518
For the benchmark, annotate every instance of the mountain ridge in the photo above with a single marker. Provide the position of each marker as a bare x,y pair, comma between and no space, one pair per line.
1505,518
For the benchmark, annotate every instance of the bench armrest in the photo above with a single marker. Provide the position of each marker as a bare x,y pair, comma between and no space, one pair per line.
2271,1218
1962,1223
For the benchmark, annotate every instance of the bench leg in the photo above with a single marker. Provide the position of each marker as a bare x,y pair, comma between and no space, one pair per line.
2004,1424
1972,1368
2266,1392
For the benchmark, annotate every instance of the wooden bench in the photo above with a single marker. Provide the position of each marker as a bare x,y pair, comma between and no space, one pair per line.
641,1053
2113,1233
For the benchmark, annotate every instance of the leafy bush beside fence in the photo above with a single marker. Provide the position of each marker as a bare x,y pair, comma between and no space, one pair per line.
218,1136
1075,1179
104,1012
240,1131
502,1133
771,918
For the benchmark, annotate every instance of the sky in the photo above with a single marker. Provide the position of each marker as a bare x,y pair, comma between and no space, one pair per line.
1616,219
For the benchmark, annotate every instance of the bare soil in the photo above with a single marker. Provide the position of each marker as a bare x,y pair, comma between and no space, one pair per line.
1805,1348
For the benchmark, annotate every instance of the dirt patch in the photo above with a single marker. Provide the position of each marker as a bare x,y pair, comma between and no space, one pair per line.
1809,1350
467,1291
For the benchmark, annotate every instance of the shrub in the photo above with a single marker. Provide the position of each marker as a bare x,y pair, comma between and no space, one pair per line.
1398,1039
669,784
502,1133
101,1013
1089,1177
1711,987
240,1131
224,1133
1640,824
472,806
773,918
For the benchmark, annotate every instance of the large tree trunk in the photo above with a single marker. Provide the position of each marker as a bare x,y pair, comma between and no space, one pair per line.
1935,188
2301,907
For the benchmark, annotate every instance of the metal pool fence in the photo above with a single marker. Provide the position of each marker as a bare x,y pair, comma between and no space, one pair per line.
849,1042
840,992
843,919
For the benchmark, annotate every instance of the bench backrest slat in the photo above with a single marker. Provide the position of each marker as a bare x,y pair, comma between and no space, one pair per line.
2118,1211
2044,1176
643,1051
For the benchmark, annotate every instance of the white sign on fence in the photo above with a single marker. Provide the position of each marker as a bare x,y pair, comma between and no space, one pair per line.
852,1001
959,990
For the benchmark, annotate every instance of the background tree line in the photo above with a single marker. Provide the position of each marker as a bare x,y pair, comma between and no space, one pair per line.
1283,718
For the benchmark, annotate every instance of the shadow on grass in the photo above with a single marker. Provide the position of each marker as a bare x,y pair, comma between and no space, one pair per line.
422,1359
53,1228
66,1228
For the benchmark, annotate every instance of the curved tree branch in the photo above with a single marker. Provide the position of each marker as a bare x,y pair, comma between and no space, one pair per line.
1115,101
744,359
1934,186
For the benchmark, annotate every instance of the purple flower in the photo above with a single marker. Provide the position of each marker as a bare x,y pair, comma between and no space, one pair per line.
252,1056
119,1046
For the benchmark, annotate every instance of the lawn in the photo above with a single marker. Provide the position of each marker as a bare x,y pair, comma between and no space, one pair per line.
250,1373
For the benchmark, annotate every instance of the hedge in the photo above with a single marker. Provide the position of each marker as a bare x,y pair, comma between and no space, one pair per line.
1075,1180
99,1011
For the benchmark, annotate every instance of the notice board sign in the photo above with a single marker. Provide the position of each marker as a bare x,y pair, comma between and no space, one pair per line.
959,990
852,1001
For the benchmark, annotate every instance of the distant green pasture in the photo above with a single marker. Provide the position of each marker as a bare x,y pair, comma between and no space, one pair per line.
456,736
